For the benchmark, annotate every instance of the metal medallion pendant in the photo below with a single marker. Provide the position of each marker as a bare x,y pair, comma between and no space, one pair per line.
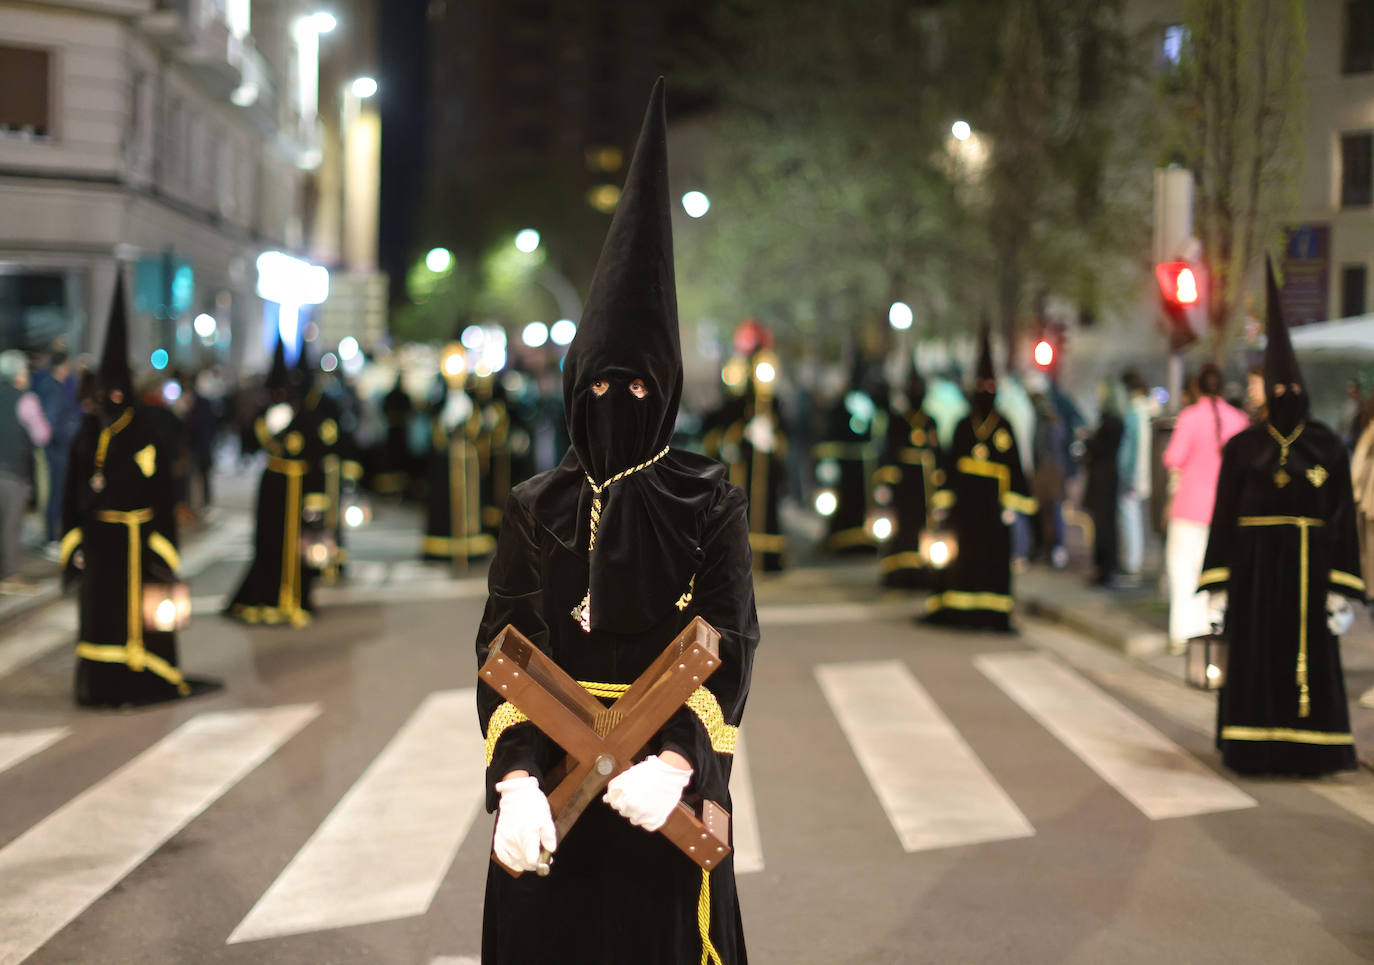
980,451
582,613
98,482
1281,478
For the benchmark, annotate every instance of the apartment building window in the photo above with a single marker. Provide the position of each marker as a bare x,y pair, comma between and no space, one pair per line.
25,97
1359,37
1354,280
1357,170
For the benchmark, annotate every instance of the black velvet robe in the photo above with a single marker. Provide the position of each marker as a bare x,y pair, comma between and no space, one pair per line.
124,528
618,895
1102,497
391,471
911,473
1278,550
854,455
276,588
760,475
333,457
492,441
454,492
983,478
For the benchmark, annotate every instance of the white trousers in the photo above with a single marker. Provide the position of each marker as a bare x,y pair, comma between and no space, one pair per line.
1130,514
1186,546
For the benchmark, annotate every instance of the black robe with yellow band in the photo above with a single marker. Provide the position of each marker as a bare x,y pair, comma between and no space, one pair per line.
1283,537
983,481
454,493
334,466
909,476
754,453
120,524
618,894
277,587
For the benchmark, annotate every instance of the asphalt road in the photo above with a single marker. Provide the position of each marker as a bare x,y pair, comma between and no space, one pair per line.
906,795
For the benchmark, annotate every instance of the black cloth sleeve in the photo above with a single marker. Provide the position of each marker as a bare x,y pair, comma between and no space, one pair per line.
79,467
1216,564
163,490
514,597
1345,577
723,596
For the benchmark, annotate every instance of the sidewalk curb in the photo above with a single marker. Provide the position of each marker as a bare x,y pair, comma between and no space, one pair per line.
1122,632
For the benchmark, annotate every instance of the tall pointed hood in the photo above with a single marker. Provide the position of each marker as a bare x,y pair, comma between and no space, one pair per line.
985,379
629,326
114,358
1283,385
640,507
304,375
278,377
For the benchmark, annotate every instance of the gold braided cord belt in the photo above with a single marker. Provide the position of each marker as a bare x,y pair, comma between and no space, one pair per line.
703,703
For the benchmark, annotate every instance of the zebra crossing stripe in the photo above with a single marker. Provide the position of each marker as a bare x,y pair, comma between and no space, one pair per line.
54,871
935,790
744,819
455,960
1151,771
383,851
24,744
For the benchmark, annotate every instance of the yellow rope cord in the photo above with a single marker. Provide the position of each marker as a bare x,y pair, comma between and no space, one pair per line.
703,703
709,955
597,490
103,444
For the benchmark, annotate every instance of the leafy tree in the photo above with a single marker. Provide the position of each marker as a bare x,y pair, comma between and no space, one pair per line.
1239,111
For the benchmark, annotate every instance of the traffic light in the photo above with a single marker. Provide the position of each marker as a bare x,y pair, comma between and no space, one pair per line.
1182,288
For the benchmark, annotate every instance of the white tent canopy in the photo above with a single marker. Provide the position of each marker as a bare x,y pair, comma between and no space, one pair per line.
1343,335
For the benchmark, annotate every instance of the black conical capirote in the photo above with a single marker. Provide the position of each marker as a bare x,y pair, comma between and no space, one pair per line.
1280,362
114,357
986,370
629,323
278,376
305,369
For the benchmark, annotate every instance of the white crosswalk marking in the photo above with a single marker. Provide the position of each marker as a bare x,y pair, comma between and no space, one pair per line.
384,849
744,819
24,744
1151,771
455,960
56,869
935,790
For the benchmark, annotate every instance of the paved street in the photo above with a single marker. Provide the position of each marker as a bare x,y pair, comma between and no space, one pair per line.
903,795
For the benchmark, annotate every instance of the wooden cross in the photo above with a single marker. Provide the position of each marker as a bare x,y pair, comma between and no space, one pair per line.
601,741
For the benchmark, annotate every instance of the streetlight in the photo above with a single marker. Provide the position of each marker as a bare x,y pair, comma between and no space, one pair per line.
364,87
696,204
900,316
348,348
563,331
204,325
439,260
535,334
527,240
961,130
323,22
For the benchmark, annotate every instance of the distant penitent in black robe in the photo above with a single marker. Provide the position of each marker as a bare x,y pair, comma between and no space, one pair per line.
120,525
454,492
754,451
276,588
1278,550
983,480
618,895
911,474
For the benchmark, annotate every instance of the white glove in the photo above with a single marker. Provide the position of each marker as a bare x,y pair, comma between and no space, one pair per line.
1339,614
647,793
1008,517
523,823
1216,610
278,417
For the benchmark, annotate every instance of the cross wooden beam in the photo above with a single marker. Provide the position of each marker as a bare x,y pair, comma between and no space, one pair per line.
601,741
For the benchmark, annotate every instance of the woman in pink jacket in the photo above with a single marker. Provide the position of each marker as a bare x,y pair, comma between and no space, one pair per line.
1193,459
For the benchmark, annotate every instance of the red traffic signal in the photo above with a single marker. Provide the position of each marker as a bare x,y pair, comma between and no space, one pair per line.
1182,287
1044,353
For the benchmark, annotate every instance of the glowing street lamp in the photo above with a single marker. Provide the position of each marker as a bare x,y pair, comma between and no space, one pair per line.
527,240
696,204
900,316
323,22
535,334
439,260
961,130
364,87
562,331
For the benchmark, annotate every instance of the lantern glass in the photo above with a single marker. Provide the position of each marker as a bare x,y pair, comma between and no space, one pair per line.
318,549
939,547
166,607
356,511
1206,667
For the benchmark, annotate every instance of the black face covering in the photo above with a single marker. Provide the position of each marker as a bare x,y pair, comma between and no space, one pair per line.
1283,386
915,392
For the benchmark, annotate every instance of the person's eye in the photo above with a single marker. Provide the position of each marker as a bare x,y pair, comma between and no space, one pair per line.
600,387
638,389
